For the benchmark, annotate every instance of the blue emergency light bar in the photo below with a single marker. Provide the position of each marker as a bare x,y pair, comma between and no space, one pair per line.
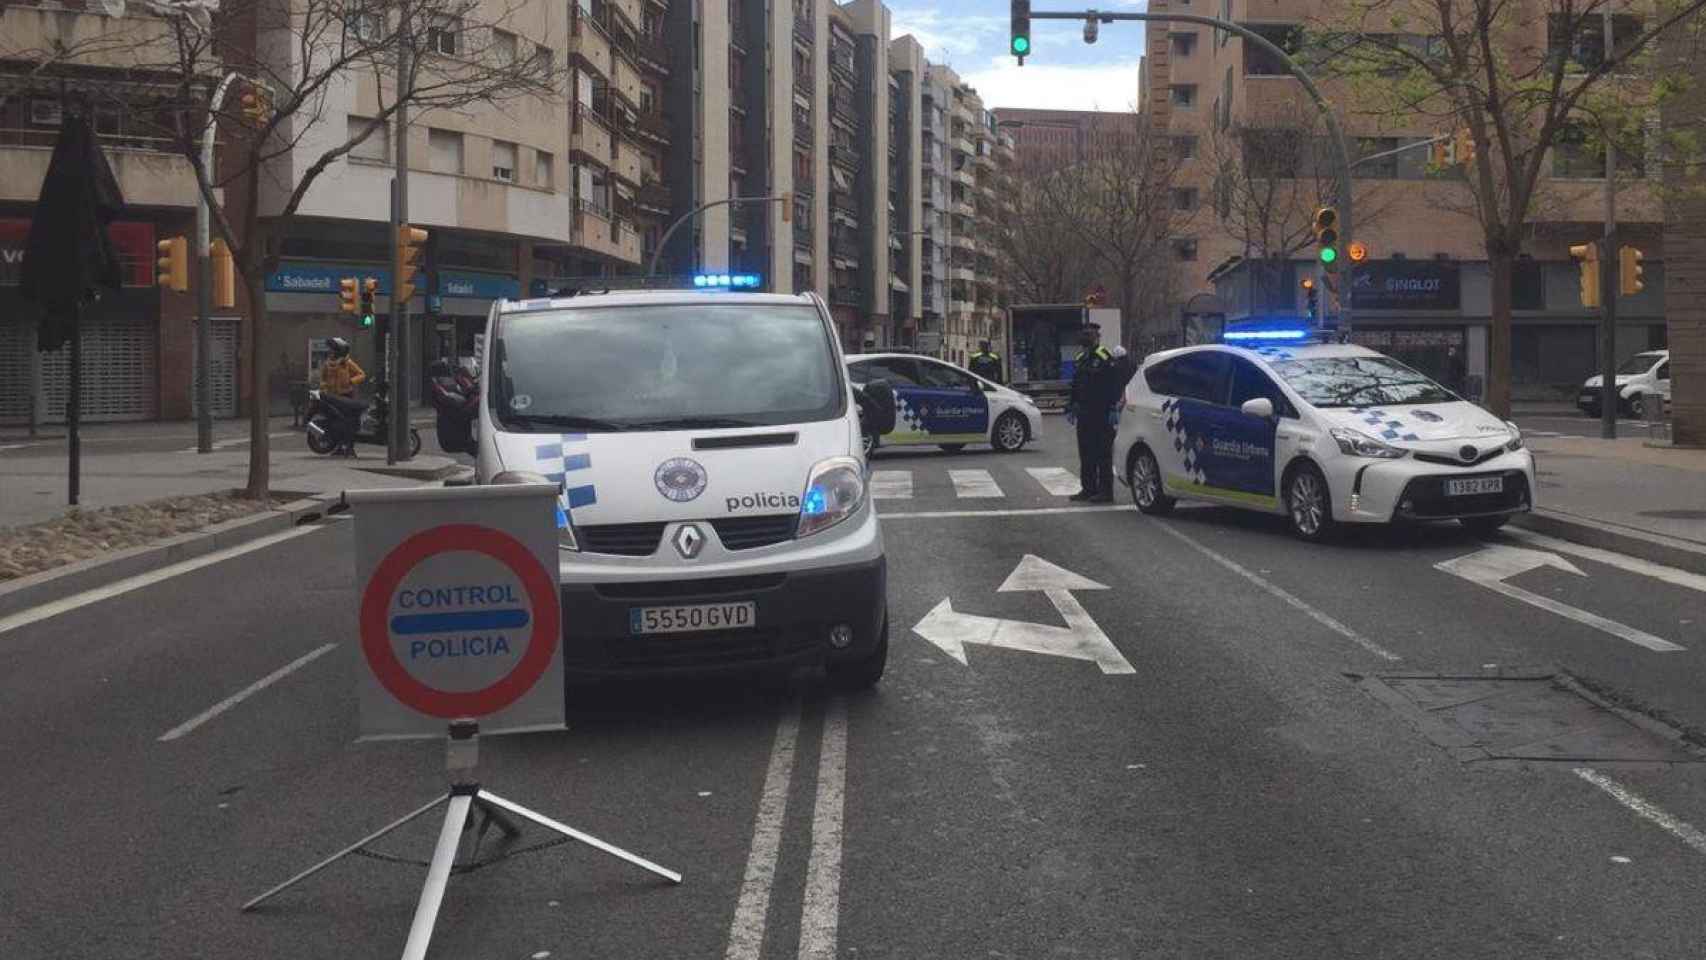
1233,336
727,281
1270,330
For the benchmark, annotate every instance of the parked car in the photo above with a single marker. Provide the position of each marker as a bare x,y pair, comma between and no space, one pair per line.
940,404
1641,374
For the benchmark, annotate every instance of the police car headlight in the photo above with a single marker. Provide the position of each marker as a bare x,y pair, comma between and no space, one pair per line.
1515,443
836,491
1354,443
565,530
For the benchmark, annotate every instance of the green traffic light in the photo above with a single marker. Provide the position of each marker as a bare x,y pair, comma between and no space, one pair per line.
367,320
1329,254
1021,46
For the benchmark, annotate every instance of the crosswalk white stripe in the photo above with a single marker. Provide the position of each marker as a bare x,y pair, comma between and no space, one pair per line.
891,485
1058,481
974,483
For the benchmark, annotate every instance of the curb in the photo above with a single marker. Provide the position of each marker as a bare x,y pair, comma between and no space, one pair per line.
61,582
1670,551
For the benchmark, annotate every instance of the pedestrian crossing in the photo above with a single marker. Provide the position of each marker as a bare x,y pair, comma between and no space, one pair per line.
972,484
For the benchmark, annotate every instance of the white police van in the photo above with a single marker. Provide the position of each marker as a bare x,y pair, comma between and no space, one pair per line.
713,509
1324,433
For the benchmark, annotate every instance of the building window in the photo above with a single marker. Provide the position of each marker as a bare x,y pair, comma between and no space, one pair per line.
376,148
1185,249
1585,50
1184,95
44,112
1185,199
1577,155
503,161
444,147
445,36
544,58
504,47
1259,62
1184,146
1183,44
543,171
366,27
1385,168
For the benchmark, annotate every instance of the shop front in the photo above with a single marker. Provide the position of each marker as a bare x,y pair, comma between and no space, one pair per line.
1413,310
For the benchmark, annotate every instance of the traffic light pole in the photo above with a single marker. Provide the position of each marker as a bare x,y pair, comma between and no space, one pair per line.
204,279
396,338
663,243
1341,151
1608,264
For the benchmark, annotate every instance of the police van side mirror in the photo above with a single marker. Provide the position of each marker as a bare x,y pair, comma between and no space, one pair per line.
879,407
1258,407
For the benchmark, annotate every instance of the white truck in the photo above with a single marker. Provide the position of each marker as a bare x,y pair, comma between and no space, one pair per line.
1043,341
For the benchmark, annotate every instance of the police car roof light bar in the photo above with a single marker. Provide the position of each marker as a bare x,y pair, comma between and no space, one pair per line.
1294,334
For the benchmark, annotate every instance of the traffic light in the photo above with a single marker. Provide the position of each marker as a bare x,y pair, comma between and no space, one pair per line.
788,207
1629,279
1021,42
1586,256
411,243
369,287
173,267
1357,251
224,274
256,106
1312,297
1463,147
348,298
1327,237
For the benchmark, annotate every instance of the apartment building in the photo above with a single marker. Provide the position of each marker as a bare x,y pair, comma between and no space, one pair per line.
1425,293
1051,139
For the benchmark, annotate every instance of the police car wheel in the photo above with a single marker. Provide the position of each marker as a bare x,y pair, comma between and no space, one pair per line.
1144,474
1011,433
1308,504
864,672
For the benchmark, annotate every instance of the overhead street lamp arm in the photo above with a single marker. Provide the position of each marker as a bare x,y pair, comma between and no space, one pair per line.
663,243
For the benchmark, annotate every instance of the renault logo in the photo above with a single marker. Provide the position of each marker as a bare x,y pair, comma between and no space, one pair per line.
689,541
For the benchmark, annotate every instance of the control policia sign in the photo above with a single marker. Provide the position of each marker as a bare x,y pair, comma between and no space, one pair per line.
459,612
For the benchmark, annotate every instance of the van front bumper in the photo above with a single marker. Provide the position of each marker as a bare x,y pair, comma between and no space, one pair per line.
796,611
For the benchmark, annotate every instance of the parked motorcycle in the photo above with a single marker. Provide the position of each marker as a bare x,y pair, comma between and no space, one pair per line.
455,396
324,420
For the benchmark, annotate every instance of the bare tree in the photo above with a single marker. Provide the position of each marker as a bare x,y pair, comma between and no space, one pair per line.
1039,240
297,57
1270,174
1523,80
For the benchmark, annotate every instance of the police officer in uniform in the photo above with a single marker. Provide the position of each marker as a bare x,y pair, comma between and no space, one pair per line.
1098,379
986,363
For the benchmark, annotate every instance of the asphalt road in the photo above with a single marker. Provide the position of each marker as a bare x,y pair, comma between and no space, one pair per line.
1242,792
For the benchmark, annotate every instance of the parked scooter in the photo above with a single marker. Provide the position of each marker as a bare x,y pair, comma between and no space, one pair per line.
325,421
455,395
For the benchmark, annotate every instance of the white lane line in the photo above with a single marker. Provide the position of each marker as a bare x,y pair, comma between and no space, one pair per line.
820,914
1294,602
36,614
746,931
246,692
1685,832
1646,568
974,483
238,442
891,485
1034,512
1058,481
16,446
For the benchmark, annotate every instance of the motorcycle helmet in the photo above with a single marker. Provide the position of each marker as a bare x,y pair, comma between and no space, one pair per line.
340,347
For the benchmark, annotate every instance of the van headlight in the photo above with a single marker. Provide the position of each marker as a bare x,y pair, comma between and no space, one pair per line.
1355,443
1515,442
565,530
835,492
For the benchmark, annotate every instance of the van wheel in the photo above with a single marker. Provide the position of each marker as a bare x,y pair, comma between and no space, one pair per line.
863,673
1309,504
1144,475
1011,433
1634,407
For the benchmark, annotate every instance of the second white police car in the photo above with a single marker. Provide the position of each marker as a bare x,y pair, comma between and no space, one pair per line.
1324,433
939,404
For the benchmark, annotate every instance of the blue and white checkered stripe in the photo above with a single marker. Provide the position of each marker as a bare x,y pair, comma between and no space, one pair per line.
1183,443
1390,428
568,460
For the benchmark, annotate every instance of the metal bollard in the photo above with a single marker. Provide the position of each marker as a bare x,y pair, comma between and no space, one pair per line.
1657,417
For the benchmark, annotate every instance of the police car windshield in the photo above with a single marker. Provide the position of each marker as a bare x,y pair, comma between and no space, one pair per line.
664,367
1359,382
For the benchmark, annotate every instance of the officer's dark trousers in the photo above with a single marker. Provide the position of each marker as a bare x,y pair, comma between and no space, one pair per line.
1096,454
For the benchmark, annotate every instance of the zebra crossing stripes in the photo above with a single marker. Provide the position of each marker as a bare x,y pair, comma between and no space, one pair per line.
1058,481
891,484
969,484
974,484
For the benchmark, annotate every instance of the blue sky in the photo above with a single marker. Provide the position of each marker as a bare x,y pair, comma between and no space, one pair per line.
1065,73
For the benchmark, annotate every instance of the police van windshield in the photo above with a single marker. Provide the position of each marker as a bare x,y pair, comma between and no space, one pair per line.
1359,382
664,367
1640,363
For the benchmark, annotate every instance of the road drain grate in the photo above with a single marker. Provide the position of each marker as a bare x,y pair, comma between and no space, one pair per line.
1539,715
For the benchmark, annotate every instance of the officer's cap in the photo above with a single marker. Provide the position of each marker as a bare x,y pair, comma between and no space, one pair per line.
1093,326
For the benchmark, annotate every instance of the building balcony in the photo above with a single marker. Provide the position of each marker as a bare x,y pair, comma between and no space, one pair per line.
962,274
840,201
802,235
627,163
598,231
984,159
589,42
843,296
652,128
964,241
802,133
842,63
841,108
654,198
147,177
590,134
653,54
804,28
845,156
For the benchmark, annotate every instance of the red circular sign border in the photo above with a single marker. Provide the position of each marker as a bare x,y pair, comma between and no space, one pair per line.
447,538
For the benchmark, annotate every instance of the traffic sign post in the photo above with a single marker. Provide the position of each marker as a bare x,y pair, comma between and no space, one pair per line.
460,625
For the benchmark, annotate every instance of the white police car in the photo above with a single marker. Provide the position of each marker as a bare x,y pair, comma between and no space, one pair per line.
713,510
1323,433
939,404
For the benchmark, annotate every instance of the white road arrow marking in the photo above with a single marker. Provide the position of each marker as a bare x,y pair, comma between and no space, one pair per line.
1490,568
1080,639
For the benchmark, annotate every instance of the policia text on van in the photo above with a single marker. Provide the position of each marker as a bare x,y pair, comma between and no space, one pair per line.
713,508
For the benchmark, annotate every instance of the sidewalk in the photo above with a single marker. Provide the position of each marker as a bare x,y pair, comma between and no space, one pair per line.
1624,495
140,462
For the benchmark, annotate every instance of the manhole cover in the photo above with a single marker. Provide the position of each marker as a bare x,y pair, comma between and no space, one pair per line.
1675,514
1538,716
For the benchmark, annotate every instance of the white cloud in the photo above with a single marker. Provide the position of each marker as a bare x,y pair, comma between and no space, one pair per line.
1105,86
944,37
